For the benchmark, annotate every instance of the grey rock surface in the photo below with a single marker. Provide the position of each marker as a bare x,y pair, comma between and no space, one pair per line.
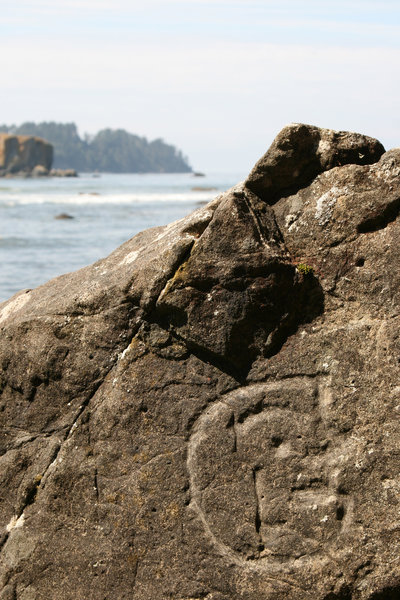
301,152
212,412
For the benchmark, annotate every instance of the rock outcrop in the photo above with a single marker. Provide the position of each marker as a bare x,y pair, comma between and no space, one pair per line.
22,155
63,173
213,411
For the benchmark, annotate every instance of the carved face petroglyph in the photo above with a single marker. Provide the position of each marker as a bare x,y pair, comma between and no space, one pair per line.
267,474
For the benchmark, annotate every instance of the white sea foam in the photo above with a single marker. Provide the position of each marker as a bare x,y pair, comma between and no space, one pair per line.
91,199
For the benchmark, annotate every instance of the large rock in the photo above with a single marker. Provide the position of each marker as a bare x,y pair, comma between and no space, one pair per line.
212,412
22,154
301,152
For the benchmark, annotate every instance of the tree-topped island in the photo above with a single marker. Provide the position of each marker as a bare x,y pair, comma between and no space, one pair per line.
110,150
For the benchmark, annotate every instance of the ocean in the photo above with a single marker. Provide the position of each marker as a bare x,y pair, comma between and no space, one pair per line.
106,210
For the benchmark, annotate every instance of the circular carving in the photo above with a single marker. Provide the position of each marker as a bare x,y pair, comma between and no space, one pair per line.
264,474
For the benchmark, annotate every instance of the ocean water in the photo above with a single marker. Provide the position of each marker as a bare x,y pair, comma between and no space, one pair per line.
107,210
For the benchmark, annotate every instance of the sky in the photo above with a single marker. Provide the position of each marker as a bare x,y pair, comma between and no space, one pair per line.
216,78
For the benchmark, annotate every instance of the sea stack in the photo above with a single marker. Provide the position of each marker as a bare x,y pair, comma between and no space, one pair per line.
213,411
24,155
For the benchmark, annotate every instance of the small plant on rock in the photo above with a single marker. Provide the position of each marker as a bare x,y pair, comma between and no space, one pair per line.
305,269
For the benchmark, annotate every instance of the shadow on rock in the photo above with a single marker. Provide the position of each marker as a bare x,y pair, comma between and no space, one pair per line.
231,323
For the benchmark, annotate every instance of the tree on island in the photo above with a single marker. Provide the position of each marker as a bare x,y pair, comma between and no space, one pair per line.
110,150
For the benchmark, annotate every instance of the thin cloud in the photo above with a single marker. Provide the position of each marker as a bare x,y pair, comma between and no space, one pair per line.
218,66
287,23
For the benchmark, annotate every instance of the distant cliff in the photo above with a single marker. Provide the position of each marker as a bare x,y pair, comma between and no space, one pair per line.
24,154
115,151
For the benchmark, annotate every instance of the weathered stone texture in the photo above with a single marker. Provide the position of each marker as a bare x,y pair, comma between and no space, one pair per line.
212,412
21,154
301,152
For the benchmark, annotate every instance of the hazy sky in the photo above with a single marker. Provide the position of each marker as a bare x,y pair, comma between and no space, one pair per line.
217,78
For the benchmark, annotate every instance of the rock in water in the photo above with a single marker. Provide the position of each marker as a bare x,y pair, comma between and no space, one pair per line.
212,412
63,173
22,154
63,216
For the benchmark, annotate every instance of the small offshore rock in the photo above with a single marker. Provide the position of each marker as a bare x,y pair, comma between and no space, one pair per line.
40,171
200,188
64,216
63,173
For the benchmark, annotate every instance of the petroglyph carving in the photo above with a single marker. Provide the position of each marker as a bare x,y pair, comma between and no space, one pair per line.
265,473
